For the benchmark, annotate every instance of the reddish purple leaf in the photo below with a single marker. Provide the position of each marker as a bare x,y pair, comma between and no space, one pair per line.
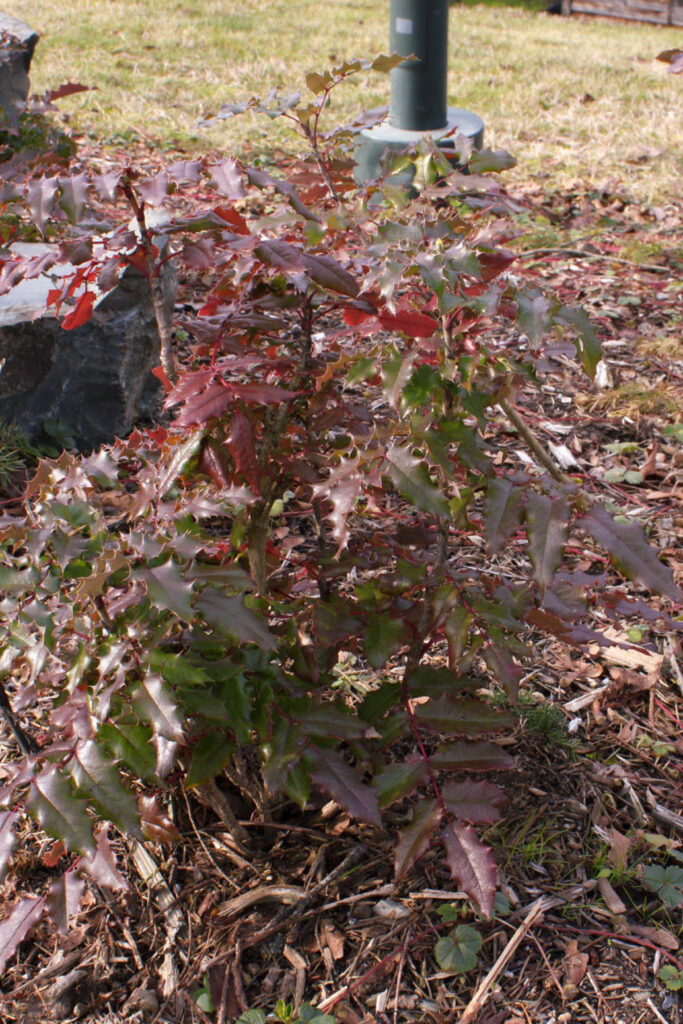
548,525
154,190
52,801
81,313
280,254
199,255
156,824
185,171
471,865
285,188
102,865
630,552
413,841
63,901
464,717
213,401
13,929
215,463
341,782
415,325
262,394
330,274
397,781
168,588
503,512
227,179
341,489
472,757
241,446
68,89
476,802
7,837
107,184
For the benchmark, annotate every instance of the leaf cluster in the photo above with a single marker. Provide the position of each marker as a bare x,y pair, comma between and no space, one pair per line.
180,600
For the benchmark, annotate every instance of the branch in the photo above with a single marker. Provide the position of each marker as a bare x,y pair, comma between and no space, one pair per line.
532,442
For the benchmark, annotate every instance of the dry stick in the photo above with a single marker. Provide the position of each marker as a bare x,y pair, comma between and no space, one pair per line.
652,267
675,667
482,992
532,441
156,291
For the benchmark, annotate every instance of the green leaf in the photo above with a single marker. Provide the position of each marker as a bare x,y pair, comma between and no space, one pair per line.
548,526
232,618
341,782
587,344
156,702
99,780
328,720
630,552
483,161
167,588
176,670
533,314
462,717
398,781
457,952
413,840
252,1017
382,638
671,976
411,477
209,756
63,816
132,745
437,680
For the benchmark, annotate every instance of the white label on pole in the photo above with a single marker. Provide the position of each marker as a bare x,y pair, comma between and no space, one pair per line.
404,26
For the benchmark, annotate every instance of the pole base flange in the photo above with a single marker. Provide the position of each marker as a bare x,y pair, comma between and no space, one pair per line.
374,142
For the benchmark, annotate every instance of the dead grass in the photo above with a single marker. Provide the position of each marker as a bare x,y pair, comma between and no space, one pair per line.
572,98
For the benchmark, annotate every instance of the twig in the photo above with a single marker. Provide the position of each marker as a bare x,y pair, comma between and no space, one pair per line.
399,974
532,441
286,914
481,994
27,744
675,667
582,254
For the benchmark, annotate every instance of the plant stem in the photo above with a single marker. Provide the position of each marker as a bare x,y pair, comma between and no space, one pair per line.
532,441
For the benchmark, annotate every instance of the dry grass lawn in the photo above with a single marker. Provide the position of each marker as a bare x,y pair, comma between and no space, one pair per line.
571,98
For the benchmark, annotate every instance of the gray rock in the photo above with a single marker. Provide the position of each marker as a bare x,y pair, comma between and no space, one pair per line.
96,379
16,51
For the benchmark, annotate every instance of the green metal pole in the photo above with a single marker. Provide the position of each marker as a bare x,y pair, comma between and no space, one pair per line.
418,87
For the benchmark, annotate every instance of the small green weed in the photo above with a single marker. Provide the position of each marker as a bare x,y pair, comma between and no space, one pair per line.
671,976
666,882
16,453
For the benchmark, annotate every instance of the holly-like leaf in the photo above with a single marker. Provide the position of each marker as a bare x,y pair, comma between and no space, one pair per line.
413,841
156,703
209,756
484,161
338,779
328,720
168,588
458,951
411,477
99,780
548,526
73,196
63,816
81,312
383,636
7,838
330,274
231,617
476,802
410,322
397,781
587,344
18,924
154,190
472,757
533,314
226,178
503,512
63,900
463,717
630,552
341,489
40,197
102,865
132,745
212,401
471,865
